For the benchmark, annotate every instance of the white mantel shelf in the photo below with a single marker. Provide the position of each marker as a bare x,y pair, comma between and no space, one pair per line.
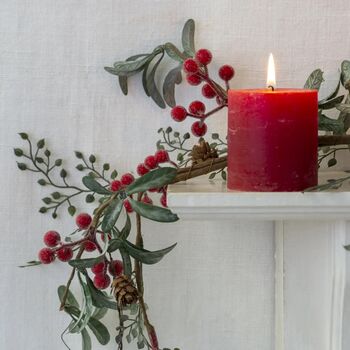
200,198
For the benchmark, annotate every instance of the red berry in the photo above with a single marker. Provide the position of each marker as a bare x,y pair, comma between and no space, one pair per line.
141,169
116,185
89,246
162,156
83,221
99,268
151,162
146,199
190,66
204,56
128,206
52,238
226,72
197,108
199,129
127,179
115,268
193,79
163,200
179,113
102,281
208,91
46,256
65,254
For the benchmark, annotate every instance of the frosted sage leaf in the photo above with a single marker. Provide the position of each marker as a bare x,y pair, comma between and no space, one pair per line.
126,68
188,37
70,297
86,263
343,107
328,124
114,244
153,212
152,87
314,80
95,186
154,179
99,313
331,103
332,95
332,162
172,78
126,229
100,331
100,299
344,115
174,53
86,340
144,79
127,267
111,215
146,256
345,74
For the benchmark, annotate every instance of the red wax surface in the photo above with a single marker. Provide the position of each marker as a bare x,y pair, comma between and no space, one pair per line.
272,140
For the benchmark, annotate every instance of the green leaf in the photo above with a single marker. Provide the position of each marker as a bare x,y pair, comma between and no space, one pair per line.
152,87
172,78
127,68
42,182
144,78
332,162
126,229
92,158
86,340
99,299
78,154
58,162
106,166
22,166
89,198
343,107
127,267
331,103
141,344
71,210
154,179
215,136
333,94
55,195
99,313
114,244
111,215
315,80
174,53
18,152
95,186
347,247
344,116
63,173
153,212
47,200
80,167
100,331
42,210
188,37
212,176
224,175
146,256
123,83
86,263
345,74
41,143
70,297
24,136
114,174
328,124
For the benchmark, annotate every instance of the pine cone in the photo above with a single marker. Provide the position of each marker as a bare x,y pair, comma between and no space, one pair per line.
124,290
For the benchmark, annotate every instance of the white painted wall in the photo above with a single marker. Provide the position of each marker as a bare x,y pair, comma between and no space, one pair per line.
52,84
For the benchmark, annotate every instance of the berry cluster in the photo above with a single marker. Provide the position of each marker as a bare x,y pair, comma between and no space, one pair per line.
101,279
197,72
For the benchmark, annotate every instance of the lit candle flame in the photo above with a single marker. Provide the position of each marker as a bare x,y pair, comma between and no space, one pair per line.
271,75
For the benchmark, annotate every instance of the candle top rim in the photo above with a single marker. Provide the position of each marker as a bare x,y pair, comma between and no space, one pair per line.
275,91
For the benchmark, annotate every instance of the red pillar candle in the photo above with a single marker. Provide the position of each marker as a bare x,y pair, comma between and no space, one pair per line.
272,139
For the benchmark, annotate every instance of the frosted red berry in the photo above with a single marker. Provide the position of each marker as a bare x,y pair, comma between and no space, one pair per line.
190,66
197,108
52,238
128,206
193,79
226,72
199,129
146,199
46,256
89,246
142,169
116,185
179,113
115,268
127,179
208,91
102,281
99,268
151,162
83,221
65,254
163,200
204,56
162,156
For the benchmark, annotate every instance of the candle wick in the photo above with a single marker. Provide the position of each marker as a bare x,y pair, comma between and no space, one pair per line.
271,87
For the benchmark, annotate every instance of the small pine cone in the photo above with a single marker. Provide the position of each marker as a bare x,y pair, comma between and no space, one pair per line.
124,290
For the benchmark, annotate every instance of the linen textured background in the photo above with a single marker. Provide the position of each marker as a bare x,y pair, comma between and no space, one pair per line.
53,85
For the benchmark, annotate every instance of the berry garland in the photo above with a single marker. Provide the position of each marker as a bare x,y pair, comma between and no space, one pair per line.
110,264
